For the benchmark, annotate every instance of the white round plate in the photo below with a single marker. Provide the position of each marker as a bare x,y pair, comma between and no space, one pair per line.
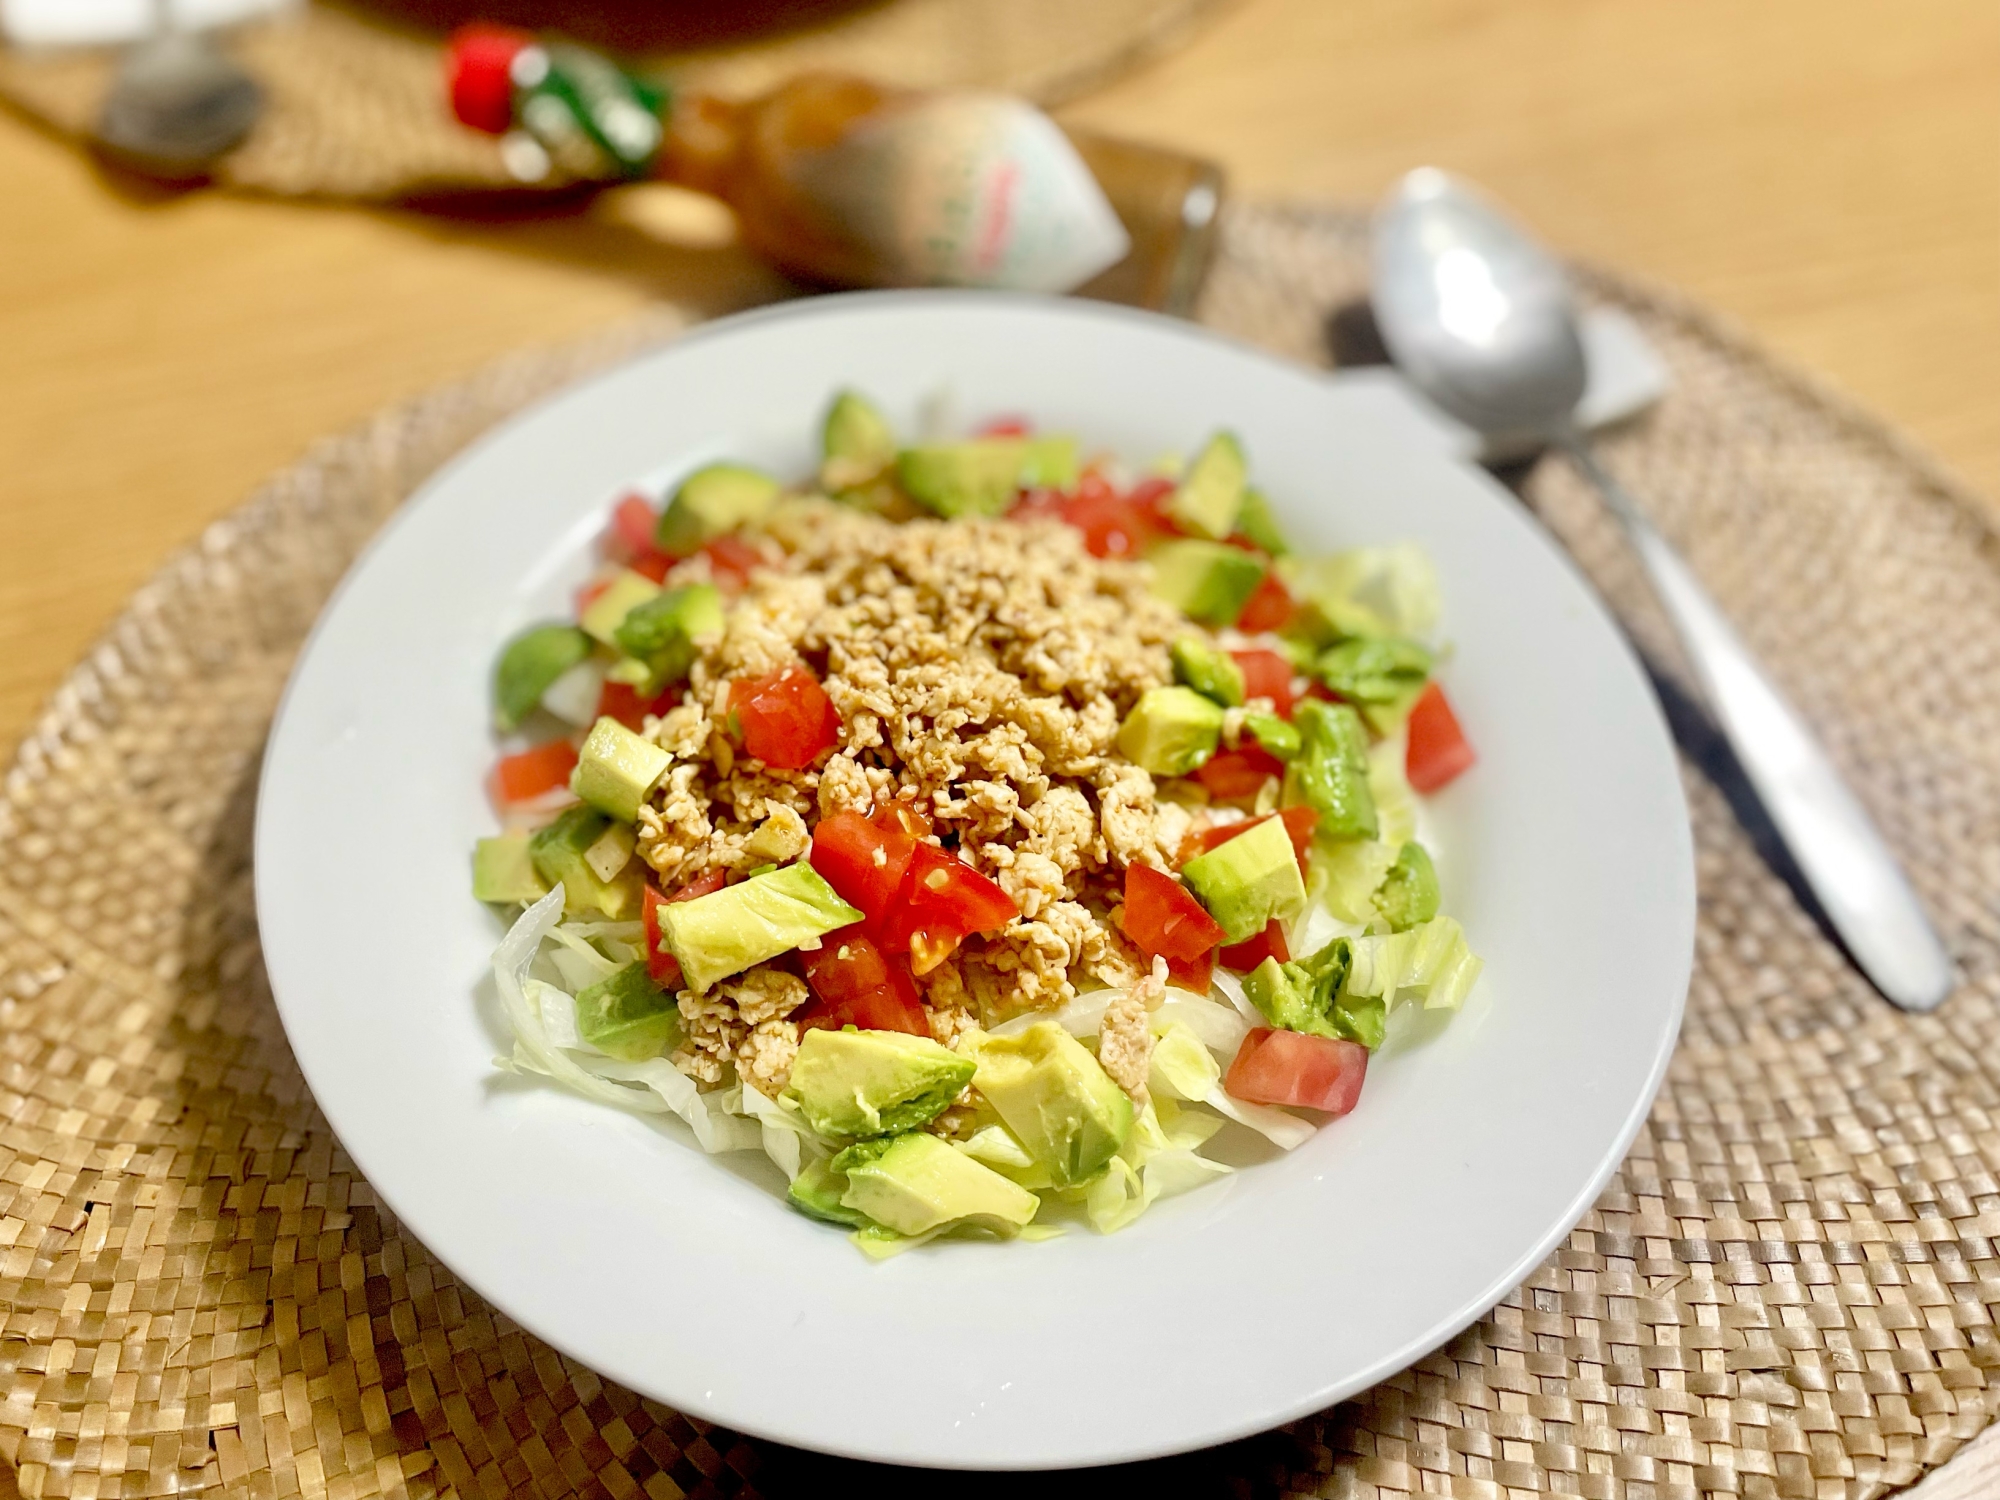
1275,1292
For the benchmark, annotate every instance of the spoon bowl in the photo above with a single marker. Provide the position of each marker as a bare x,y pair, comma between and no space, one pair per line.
1481,319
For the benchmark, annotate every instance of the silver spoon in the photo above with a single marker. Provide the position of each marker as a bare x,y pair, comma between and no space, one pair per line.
1479,317
177,102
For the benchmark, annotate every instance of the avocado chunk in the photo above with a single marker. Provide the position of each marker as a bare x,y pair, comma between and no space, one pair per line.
616,769
816,1193
528,664
714,499
1206,581
916,1183
1310,995
1059,1102
1211,493
661,636
728,931
1408,895
863,1083
1248,880
980,477
560,853
857,437
1049,462
608,610
1382,675
1330,774
1171,730
1255,521
976,478
1280,738
628,1016
503,872
1209,670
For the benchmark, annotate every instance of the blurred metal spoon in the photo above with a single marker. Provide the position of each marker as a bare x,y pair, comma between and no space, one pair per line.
1479,317
177,102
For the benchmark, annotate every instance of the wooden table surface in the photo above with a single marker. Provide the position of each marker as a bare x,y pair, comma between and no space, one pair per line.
1825,170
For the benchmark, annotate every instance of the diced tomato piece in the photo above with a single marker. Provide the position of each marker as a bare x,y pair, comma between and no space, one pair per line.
943,901
732,559
864,862
533,773
651,564
664,968
786,720
1300,822
1230,775
1193,974
1290,1067
633,522
1268,608
1160,915
1439,751
1151,493
1111,526
1246,955
621,701
1267,674
855,984
1005,427
1325,694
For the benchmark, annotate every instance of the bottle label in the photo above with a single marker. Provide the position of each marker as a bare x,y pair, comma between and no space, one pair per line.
966,190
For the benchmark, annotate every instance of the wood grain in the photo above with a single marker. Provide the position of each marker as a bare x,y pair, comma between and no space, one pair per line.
1822,169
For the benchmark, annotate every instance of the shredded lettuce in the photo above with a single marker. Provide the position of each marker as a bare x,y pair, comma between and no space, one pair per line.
1277,1127
557,1009
573,696
1080,1017
1221,1028
1395,802
1181,1067
1152,1164
1430,962
782,1131
1373,591
999,1148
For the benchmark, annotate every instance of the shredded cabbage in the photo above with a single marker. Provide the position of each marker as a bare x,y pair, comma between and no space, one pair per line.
1430,962
1374,591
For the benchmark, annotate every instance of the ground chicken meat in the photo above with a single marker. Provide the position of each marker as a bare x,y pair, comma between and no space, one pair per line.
1125,1036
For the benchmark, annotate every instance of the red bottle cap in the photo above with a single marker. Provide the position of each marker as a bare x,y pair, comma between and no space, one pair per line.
479,60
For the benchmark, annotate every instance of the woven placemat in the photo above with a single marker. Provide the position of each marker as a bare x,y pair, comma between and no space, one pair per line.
355,106
1787,1290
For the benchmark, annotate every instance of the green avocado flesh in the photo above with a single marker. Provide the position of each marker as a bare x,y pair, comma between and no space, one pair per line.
617,769
1209,670
530,663
608,610
628,1016
1330,774
980,477
711,501
1207,501
1249,880
559,854
1276,735
866,1083
1059,1102
502,871
1256,522
916,1183
1171,730
728,931
1408,895
1206,581
817,1190
857,435
663,634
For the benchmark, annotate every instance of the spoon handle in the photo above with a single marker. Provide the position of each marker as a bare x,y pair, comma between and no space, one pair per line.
1843,858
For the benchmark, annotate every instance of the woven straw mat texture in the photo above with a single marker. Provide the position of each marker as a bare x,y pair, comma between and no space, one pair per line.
356,108
1787,1290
